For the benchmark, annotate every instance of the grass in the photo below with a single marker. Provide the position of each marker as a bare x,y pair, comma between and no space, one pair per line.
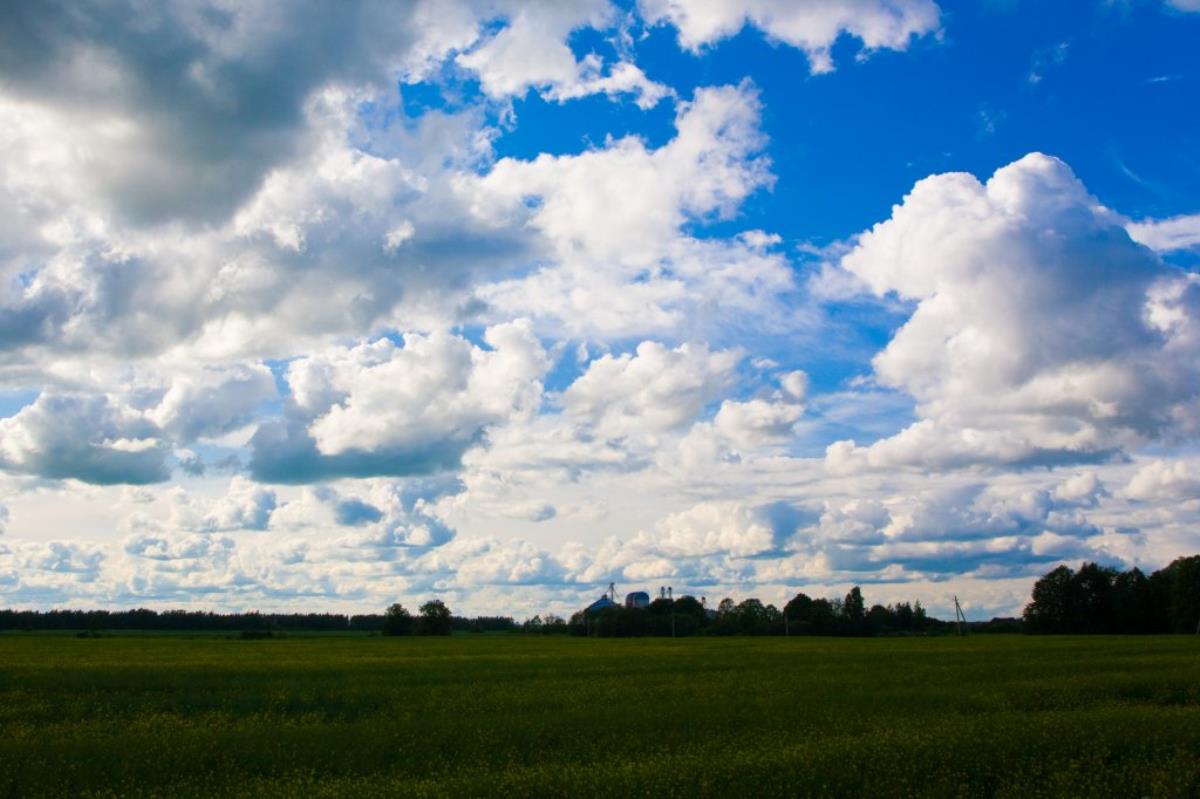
518,716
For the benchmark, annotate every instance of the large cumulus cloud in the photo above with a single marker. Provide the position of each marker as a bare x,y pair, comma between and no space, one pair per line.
1040,332
617,258
134,432
382,409
654,390
215,177
187,106
88,438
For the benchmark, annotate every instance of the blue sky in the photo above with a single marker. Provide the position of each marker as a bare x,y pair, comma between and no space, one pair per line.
1112,98
500,302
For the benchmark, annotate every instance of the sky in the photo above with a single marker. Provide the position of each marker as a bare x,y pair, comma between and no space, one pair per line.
322,306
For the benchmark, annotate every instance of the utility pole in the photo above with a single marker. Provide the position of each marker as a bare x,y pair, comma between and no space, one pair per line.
960,618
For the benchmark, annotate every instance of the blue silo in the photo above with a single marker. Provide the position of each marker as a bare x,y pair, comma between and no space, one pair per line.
600,604
637,599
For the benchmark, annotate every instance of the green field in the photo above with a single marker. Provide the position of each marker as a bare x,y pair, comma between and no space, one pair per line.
526,716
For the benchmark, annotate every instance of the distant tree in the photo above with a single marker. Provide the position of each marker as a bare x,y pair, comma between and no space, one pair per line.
853,612
1098,599
1054,602
880,620
690,616
1134,606
920,620
1094,610
728,621
435,618
1178,586
621,622
397,621
823,617
554,625
853,606
690,606
903,616
661,606
636,621
752,617
799,612
484,624
372,622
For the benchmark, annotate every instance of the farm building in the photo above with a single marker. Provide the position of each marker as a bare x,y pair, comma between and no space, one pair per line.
603,603
637,599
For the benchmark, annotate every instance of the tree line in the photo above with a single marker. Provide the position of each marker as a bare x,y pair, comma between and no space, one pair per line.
1095,600
681,616
434,618
144,619
802,615
1101,600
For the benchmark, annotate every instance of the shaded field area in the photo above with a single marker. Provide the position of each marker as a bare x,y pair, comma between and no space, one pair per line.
556,716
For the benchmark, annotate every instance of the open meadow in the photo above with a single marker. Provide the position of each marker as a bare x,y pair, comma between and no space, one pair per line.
544,716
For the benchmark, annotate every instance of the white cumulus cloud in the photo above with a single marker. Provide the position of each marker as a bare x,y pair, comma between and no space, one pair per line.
654,390
379,409
812,25
1041,332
